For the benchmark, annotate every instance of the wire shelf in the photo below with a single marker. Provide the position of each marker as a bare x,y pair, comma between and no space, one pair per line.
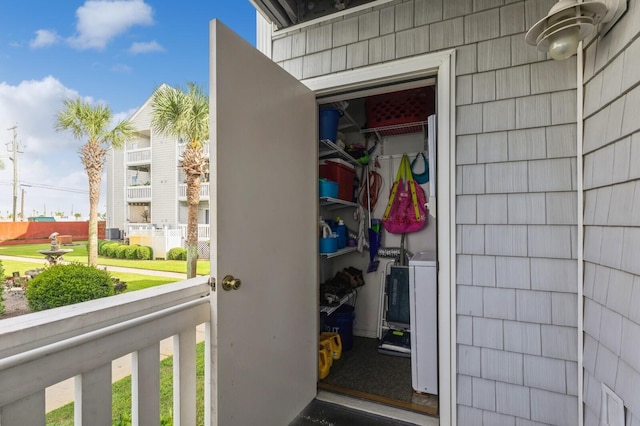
397,129
328,149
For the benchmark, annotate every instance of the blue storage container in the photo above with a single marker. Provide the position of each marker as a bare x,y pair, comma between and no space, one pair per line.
328,245
341,322
328,123
328,188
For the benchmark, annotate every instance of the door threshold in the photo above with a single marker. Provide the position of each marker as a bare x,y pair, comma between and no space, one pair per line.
377,408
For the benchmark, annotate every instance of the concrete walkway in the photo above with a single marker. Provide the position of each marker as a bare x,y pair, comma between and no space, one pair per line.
64,392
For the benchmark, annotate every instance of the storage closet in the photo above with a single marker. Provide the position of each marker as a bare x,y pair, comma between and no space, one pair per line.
383,124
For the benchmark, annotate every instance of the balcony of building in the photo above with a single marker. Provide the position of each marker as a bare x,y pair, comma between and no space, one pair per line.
80,341
183,145
138,151
140,193
204,191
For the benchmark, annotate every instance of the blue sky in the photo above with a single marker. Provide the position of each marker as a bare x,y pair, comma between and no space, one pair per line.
111,51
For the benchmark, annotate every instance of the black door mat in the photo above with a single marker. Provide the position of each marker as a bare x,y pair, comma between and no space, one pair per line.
328,414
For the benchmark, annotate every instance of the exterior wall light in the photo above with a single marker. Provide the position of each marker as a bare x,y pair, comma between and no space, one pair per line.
569,22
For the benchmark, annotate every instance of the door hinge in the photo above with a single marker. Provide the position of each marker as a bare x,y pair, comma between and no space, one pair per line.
212,283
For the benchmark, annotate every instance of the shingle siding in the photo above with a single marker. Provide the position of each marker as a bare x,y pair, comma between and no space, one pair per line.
516,183
612,232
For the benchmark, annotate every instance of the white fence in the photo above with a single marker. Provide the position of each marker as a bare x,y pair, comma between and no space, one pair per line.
161,240
42,349
204,232
204,235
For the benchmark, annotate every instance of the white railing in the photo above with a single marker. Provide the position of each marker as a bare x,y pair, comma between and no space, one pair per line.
204,232
142,155
183,146
41,349
139,193
204,191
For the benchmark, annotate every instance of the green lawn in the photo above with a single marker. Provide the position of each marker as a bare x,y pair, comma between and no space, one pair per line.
121,391
134,281
79,254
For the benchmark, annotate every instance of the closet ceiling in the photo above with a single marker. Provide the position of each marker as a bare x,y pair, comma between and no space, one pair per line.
285,13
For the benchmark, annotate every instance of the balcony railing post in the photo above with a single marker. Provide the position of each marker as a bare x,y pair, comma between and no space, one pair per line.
184,378
93,397
145,386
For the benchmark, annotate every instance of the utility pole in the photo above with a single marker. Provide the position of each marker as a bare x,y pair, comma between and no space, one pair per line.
22,205
15,151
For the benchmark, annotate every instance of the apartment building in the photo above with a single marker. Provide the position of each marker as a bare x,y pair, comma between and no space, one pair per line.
145,185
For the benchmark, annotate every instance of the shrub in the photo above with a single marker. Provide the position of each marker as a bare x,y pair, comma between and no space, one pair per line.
131,252
177,253
110,249
121,251
1,271
145,253
62,285
101,246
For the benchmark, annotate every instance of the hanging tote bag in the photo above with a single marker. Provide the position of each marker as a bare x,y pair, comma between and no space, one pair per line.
406,210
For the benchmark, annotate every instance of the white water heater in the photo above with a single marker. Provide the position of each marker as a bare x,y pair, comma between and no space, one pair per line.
423,300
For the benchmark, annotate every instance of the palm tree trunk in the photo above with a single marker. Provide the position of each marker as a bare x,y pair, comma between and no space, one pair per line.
92,156
193,200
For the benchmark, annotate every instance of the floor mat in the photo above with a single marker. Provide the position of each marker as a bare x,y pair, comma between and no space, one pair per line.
364,370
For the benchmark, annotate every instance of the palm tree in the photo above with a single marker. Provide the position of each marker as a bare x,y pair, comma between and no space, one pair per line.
90,122
184,114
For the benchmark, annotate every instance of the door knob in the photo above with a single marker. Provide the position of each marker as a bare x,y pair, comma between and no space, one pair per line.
230,283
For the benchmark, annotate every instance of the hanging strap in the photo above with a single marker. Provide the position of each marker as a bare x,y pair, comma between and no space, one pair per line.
412,186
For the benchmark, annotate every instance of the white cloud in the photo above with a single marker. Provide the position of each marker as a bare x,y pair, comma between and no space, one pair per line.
99,21
48,158
44,38
145,47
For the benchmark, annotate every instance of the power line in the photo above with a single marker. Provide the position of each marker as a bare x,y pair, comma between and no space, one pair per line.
53,188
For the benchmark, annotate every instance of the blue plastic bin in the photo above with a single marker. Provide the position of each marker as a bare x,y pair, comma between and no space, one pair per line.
328,123
328,188
341,322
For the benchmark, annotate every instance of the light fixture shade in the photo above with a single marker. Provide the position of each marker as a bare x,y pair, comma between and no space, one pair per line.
567,23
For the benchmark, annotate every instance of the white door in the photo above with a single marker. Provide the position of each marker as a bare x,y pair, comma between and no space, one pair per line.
263,232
